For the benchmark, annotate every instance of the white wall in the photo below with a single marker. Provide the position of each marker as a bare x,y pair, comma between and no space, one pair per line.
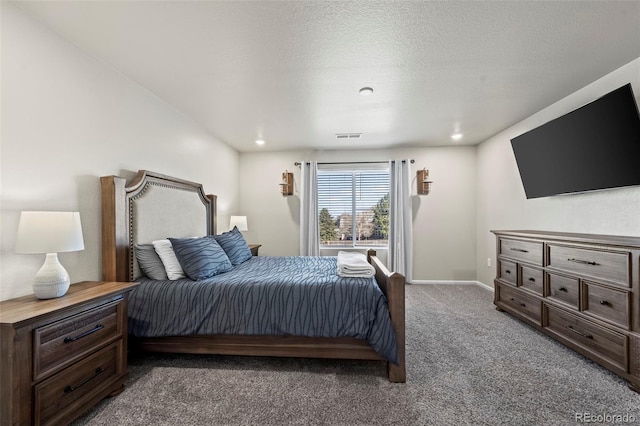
68,119
444,220
501,200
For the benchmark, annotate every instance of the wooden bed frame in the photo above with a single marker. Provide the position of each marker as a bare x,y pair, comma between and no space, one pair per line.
120,223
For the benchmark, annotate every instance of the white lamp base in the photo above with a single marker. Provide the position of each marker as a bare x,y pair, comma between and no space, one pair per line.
52,280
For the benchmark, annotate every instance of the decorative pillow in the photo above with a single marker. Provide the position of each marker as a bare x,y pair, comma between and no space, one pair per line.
169,259
234,245
150,262
200,258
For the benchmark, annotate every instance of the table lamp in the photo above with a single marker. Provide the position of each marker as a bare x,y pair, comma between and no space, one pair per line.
50,233
240,222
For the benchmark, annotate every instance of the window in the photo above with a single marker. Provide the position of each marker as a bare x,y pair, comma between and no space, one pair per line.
353,205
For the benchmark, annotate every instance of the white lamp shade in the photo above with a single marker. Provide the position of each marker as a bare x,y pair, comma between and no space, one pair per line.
49,232
240,222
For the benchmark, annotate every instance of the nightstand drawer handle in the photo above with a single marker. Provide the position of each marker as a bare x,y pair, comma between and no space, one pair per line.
507,271
86,333
532,279
520,250
605,302
563,289
588,336
69,389
584,262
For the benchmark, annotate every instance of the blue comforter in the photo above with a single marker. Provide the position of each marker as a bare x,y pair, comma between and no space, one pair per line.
299,296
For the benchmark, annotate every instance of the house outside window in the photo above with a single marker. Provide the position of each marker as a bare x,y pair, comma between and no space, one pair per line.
353,205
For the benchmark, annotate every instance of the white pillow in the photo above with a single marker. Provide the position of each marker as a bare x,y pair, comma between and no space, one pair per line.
169,259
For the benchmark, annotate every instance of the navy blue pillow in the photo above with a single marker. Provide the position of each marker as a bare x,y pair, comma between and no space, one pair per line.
200,258
235,246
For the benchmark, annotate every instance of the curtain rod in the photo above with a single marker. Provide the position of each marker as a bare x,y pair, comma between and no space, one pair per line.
356,162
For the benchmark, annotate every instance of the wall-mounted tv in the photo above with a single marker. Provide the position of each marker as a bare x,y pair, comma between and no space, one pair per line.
594,147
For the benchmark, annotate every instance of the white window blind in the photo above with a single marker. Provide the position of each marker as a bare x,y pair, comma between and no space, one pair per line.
353,205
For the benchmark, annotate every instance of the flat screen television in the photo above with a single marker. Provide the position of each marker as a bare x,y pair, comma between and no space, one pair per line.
594,147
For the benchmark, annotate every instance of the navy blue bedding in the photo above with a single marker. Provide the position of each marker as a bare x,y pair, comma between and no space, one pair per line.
299,296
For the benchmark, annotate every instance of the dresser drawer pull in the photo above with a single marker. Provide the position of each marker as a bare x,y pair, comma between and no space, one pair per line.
519,303
563,289
85,334
532,279
605,302
520,250
588,336
506,271
583,262
70,389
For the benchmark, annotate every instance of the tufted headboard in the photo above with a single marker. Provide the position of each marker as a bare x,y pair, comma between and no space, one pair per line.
151,207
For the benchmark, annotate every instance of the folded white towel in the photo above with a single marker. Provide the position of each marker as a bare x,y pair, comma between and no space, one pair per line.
354,264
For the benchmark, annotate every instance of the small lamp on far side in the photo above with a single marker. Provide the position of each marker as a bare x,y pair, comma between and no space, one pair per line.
50,233
240,222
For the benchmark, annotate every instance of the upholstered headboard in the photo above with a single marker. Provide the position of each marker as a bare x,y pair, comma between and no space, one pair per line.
153,206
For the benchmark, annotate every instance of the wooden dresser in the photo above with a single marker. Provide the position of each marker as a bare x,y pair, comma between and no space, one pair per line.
59,357
581,289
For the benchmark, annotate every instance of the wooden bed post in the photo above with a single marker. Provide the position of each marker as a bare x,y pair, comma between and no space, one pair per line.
115,248
213,199
395,298
392,285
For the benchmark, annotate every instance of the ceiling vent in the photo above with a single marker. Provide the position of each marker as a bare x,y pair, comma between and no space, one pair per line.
348,135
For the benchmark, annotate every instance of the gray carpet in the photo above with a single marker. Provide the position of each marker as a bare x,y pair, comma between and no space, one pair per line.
466,364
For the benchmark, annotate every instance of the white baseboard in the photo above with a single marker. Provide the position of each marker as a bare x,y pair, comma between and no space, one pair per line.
454,282
486,287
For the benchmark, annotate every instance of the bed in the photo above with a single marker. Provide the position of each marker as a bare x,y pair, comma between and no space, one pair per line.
154,206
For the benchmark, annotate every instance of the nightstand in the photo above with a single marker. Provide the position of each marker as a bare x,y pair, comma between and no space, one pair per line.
254,248
59,357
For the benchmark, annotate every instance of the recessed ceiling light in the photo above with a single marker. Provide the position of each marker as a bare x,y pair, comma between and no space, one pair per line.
366,91
260,142
456,136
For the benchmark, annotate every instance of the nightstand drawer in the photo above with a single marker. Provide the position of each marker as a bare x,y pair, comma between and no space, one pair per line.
83,381
607,304
608,265
606,344
527,251
63,342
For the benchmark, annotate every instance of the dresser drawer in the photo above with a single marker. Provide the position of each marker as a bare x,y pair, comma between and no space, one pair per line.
607,304
527,251
611,266
526,305
564,289
533,280
81,381
606,344
63,342
509,272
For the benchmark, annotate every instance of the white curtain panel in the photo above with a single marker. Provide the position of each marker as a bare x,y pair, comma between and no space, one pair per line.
400,221
309,227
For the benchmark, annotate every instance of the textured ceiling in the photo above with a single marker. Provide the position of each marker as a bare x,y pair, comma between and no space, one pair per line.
290,71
